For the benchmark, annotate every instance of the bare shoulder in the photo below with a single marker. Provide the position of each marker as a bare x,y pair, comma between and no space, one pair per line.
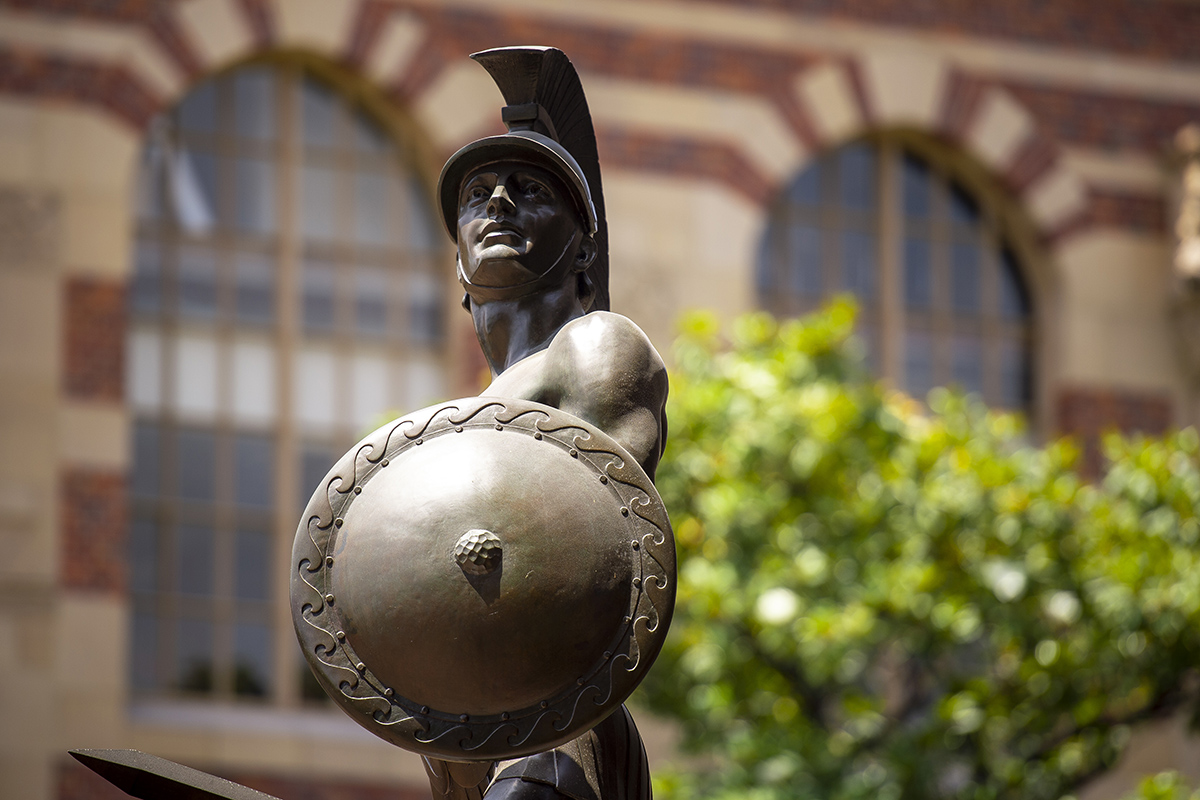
608,342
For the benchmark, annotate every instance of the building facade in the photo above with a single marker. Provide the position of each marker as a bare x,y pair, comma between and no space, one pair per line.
219,266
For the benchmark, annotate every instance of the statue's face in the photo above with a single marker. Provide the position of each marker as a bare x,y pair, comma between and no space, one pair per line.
516,222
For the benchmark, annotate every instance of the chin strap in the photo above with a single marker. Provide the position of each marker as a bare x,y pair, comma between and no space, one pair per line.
554,276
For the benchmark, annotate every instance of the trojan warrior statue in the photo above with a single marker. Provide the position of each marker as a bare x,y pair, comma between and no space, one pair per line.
485,581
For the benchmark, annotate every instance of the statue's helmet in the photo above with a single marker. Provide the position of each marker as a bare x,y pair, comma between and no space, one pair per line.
549,126
519,145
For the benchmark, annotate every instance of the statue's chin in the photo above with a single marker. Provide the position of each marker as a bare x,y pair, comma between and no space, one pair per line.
499,268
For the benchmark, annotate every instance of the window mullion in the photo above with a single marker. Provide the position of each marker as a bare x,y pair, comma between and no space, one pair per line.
285,685
890,245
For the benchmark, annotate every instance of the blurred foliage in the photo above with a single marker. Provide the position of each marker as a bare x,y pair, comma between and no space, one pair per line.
882,599
1163,786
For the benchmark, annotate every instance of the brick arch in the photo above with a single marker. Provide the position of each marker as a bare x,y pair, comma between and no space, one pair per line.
377,39
839,100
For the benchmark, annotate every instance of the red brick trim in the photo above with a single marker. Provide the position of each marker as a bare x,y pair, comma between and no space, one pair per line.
164,27
1087,413
109,10
713,160
1164,31
94,361
614,51
94,523
262,22
112,88
1034,159
1104,120
368,24
960,102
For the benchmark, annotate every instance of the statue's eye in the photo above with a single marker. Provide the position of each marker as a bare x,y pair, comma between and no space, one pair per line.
536,191
478,192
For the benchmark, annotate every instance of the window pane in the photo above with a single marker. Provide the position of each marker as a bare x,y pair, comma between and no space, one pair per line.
318,296
315,462
198,111
192,184
196,376
146,291
965,278
370,301
858,264
1015,385
193,654
197,282
1014,302
254,102
806,189
319,194
369,376
319,110
143,384
143,557
145,473
253,382
918,187
369,137
144,650
804,253
252,579
255,288
194,559
253,473
313,388
196,464
963,209
857,167
918,364
966,363
371,208
422,383
251,659
918,274
424,308
255,201
423,233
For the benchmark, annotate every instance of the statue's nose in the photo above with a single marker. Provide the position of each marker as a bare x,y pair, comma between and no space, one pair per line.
500,201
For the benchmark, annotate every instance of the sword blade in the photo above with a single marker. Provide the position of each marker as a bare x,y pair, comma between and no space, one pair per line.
149,777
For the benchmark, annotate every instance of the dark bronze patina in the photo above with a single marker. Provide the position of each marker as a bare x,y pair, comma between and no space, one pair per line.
485,581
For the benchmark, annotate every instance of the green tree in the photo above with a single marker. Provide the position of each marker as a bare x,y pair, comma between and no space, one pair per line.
879,599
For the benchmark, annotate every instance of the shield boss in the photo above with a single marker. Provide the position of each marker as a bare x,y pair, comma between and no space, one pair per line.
483,579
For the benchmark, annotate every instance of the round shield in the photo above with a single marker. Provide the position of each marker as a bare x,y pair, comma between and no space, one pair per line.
483,579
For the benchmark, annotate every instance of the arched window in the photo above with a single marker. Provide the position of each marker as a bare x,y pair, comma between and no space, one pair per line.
941,294
285,295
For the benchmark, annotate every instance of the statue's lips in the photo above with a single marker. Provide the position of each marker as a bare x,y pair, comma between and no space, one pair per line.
499,233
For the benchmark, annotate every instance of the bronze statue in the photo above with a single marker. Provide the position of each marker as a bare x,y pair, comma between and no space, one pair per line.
485,581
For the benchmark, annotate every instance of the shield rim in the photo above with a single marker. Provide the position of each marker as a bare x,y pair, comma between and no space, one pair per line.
554,720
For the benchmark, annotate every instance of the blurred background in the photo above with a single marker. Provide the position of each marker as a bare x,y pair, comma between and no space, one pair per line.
220,264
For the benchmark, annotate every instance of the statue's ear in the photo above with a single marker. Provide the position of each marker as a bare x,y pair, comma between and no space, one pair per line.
586,290
466,298
586,254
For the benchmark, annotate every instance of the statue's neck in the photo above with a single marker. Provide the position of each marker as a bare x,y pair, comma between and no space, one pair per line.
510,330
